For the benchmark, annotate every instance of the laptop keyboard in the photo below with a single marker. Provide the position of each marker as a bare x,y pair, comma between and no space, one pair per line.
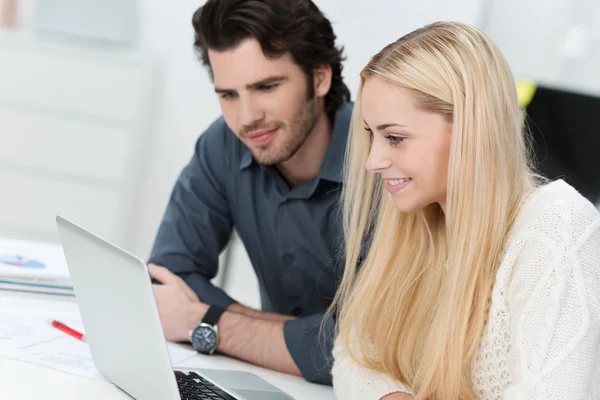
194,387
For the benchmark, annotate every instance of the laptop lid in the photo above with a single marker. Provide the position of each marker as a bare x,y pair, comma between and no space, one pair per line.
119,314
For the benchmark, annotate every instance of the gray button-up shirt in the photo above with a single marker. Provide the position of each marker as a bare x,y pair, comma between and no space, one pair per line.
293,236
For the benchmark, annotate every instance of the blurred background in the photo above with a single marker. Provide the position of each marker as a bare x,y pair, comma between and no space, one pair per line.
101,102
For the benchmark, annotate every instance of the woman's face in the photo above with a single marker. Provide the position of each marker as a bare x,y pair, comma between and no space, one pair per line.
409,147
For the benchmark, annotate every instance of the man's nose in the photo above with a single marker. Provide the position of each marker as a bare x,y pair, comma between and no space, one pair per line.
250,112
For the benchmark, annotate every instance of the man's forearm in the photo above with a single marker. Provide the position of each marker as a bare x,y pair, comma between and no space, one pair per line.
255,340
250,312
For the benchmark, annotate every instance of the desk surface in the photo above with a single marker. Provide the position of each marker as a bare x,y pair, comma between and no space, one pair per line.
19,380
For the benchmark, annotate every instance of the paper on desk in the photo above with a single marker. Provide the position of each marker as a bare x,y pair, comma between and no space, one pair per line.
34,267
32,339
32,260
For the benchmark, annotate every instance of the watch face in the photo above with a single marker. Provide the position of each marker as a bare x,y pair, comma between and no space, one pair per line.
204,339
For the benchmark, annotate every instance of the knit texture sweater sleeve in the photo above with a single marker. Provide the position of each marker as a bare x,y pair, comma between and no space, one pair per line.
351,381
553,299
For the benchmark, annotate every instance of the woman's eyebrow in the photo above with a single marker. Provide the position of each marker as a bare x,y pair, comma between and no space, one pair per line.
388,125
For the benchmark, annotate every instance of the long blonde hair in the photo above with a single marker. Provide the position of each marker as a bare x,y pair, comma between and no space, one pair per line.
417,308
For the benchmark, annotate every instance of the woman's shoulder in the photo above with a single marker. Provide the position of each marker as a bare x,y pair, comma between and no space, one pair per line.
558,212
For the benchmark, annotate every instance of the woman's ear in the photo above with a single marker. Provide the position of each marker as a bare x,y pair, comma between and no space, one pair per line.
322,80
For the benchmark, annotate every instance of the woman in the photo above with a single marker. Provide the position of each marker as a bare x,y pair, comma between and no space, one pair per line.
481,280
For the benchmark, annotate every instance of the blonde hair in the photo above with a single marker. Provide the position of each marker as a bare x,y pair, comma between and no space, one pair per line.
417,308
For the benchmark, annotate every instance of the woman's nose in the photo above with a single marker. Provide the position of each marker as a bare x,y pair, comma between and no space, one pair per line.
378,159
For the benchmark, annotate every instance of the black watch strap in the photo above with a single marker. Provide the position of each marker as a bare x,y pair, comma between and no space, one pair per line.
212,315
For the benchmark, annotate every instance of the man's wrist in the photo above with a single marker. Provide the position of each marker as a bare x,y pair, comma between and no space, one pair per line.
195,316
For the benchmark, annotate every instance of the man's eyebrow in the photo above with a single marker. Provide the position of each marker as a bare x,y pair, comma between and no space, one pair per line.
219,90
251,86
267,81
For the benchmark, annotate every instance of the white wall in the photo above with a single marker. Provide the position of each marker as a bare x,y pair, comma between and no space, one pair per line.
554,42
185,107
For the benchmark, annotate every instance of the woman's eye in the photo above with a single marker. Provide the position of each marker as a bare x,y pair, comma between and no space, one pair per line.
394,140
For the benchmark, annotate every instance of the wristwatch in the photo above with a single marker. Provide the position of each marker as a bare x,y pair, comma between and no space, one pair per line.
205,336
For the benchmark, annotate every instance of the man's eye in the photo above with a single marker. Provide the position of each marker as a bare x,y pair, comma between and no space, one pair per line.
227,96
267,88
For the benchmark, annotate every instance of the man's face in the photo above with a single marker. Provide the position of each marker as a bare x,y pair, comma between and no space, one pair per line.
264,101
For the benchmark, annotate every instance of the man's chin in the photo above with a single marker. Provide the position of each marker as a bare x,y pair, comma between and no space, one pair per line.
269,158
275,152
269,161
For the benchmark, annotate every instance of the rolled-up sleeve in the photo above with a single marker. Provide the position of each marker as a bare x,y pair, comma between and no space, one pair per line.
197,223
311,346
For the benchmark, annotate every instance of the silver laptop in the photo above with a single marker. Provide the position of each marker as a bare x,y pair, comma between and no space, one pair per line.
124,332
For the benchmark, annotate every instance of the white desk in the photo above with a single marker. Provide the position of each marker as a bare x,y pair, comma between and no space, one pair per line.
20,380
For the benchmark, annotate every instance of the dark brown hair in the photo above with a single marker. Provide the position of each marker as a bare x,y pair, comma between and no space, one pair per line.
280,26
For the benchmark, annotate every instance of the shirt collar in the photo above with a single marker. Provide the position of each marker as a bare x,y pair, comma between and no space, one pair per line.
246,159
333,163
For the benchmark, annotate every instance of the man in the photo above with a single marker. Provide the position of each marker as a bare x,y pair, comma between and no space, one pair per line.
272,168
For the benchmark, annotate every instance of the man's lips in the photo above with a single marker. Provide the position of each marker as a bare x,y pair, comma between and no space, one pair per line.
261,136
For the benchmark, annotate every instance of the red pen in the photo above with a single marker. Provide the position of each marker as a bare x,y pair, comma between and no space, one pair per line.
69,331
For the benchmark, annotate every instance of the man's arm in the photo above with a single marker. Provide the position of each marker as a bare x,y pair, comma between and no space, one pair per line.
252,313
307,342
259,339
287,344
255,340
197,222
298,346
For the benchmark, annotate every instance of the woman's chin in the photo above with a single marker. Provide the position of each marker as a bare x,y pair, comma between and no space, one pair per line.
406,206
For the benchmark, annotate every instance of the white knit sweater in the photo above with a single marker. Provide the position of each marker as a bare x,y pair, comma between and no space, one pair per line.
543,334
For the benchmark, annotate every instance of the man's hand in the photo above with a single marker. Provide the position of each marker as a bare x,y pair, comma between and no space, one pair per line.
179,308
250,335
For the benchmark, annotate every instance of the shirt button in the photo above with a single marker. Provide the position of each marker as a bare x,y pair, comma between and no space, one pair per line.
296,311
288,258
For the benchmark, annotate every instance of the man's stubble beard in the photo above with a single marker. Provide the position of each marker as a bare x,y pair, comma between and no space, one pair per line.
296,133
